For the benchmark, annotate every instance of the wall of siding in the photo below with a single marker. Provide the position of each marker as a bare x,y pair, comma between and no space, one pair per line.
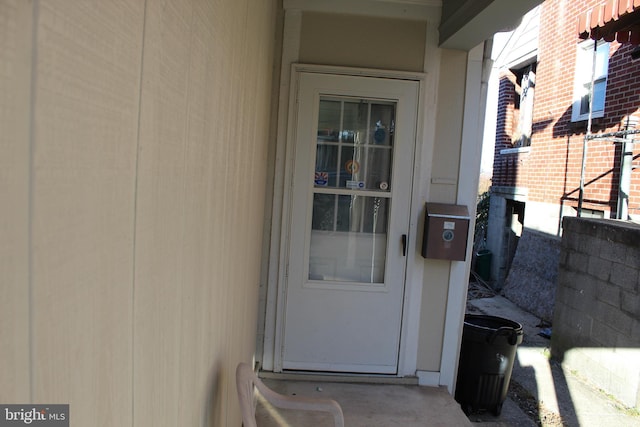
133,159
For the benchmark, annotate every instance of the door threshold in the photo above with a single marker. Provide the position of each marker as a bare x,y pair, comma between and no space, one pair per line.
333,377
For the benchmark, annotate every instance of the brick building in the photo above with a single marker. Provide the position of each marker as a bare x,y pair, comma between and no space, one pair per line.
542,120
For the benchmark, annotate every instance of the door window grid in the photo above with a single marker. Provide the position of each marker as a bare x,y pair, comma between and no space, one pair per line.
359,140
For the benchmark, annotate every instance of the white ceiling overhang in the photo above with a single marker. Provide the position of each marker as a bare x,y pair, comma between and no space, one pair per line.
467,23
424,10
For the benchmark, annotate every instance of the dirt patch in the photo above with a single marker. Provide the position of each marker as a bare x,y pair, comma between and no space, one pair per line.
478,289
532,408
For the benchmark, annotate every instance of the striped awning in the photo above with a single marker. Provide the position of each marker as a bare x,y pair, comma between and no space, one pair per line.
612,20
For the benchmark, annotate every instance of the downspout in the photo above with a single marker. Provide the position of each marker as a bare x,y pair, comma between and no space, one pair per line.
587,136
626,160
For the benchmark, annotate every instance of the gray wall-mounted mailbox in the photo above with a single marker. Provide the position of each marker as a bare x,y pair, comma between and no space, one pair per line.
446,228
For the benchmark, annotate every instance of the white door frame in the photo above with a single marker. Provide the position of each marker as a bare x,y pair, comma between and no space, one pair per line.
272,356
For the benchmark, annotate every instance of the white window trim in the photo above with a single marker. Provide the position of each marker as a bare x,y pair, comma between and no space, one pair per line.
585,50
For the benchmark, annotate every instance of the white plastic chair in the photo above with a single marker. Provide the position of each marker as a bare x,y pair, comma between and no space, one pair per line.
246,380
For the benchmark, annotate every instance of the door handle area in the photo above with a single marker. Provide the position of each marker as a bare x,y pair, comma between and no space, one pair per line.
404,245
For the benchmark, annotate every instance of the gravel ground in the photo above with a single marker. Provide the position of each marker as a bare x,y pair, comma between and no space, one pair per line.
532,408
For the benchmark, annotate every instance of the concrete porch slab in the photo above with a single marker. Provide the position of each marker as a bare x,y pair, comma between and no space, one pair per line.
366,405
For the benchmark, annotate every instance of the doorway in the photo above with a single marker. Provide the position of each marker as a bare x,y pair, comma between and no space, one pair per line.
354,143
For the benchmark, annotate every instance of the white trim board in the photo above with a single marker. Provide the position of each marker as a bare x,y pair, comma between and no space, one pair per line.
290,54
428,378
475,96
419,10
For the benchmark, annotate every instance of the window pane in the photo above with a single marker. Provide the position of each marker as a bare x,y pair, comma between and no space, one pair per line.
376,221
584,104
355,213
602,60
350,172
323,212
583,77
329,120
326,165
598,95
353,154
349,208
355,122
378,169
356,250
382,123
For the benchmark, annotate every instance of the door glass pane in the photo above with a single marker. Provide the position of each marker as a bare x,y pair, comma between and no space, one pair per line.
351,247
352,190
383,124
378,172
329,121
326,165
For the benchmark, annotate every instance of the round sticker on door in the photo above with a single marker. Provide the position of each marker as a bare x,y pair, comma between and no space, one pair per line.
352,166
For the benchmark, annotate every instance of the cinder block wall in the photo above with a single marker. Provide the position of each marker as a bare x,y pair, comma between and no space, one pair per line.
596,328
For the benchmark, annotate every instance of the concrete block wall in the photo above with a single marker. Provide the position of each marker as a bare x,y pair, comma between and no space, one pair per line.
531,282
596,327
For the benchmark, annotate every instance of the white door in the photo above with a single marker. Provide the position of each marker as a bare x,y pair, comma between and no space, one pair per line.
354,144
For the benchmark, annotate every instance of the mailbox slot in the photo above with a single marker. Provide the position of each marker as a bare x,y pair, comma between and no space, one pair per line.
446,229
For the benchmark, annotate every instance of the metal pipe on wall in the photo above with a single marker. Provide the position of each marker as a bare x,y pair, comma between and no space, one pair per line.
588,134
626,165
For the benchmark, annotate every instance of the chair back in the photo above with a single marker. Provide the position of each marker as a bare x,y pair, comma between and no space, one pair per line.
247,382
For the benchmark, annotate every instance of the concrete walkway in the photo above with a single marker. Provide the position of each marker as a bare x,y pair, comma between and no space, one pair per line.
541,393
365,405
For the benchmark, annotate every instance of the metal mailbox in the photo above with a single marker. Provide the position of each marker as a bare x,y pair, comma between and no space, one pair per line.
446,228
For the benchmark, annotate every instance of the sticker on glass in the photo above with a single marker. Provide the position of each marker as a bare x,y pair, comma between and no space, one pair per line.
321,179
352,166
355,185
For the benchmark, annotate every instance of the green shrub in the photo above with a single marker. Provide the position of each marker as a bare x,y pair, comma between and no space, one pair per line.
482,218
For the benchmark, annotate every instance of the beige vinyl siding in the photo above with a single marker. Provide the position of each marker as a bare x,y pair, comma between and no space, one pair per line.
132,222
15,83
362,41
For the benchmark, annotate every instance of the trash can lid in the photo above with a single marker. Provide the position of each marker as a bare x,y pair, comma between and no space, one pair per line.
490,323
483,328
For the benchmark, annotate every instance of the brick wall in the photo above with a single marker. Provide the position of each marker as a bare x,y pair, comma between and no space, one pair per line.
551,170
503,174
596,327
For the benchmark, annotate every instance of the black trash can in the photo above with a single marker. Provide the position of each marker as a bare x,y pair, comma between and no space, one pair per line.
487,355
